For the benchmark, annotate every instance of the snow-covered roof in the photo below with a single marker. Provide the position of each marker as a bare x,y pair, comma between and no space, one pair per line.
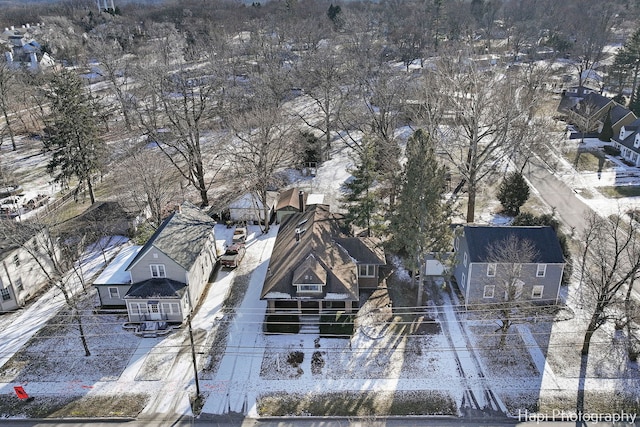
115,273
315,199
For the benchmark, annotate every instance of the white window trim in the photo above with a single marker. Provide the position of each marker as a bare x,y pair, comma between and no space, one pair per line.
533,291
492,267
161,271
117,294
541,270
486,293
318,287
367,267
465,259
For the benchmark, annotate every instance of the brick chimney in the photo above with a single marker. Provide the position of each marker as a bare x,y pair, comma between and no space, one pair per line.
301,200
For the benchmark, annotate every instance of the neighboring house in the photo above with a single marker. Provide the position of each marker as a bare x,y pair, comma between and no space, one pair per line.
168,274
249,207
22,276
540,280
587,109
25,52
315,268
627,140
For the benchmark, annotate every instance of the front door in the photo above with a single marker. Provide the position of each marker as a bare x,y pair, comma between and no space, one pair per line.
154,311
310,307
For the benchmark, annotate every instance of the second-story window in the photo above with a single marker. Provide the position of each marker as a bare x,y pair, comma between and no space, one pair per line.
366,270
491,270
157,270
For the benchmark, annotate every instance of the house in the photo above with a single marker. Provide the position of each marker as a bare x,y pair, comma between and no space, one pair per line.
587,109
315,268
115,281
478,277
22,51
249,207
22,273
164,279
627,140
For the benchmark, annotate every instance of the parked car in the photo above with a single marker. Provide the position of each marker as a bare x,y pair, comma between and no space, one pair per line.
239,235
233,255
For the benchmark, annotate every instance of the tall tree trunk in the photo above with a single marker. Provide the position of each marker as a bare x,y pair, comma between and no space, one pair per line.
590,331
83,338
11,135
471,206
92,196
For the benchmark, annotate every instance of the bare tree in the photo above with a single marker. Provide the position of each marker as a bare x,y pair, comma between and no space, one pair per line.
175,109
506,258
155,186
487,111
609,267
7,89
36,239
261,147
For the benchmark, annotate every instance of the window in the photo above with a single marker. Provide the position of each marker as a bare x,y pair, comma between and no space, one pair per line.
542,270
16,260
489,291
456,243
134,308
465,259
113,293
491,270
155,255
308,288
464,282
170,308
5,294
157,270
366,270
153,307
537,291
19,285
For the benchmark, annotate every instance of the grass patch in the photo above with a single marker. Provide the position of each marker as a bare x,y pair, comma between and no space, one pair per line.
620,191
122,405
587,161
387,403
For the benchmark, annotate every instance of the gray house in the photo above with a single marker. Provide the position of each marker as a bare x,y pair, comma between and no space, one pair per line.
479,277
164,279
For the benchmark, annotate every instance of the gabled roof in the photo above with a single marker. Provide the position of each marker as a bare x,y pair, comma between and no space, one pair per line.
181,236
115,273
590,104
290,199
544,239
629,140
314,232
156,288
310,271
364,250
618,112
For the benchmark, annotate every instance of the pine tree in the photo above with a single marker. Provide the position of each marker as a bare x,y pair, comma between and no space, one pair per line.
607,128
361,201
513,193
634,104
420,222
72,132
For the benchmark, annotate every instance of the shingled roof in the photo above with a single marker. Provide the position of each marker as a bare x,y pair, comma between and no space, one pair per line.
543,238
157,288
181,236
314,233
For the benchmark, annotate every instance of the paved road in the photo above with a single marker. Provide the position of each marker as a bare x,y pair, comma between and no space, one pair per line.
557,194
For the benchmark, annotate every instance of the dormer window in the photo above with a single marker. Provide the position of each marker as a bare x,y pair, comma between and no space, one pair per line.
309,288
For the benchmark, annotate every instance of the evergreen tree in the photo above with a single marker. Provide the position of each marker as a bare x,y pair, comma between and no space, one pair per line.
72,132
628,58
634,104
607,128
420,222
361,201
513,193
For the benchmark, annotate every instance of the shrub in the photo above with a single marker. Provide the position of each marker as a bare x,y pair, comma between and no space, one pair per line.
295,358
283,323
611,150
336,324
